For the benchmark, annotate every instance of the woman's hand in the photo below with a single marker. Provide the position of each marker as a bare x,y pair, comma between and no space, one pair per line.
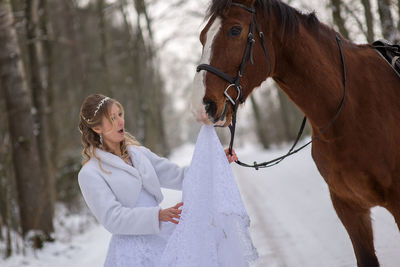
229,157
168,215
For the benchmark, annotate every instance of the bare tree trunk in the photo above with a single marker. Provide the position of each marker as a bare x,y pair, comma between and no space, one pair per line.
157,85
5,214
104,47
3,204
78,68
25,154
369,18
145,91
135,100
141,8
398,23
388,30
36,64
261,129
8,195
48,76
338,18
75,84
151,86
291,117
284,107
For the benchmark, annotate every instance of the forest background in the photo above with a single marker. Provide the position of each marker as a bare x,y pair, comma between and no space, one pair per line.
54,53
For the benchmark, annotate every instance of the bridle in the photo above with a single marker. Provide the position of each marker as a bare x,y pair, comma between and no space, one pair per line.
235,83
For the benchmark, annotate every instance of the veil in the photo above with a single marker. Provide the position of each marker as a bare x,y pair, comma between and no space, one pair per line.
213,229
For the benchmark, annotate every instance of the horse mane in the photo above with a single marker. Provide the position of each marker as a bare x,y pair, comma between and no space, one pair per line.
288,17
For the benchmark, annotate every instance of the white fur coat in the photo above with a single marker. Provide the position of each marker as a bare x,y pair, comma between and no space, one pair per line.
112,197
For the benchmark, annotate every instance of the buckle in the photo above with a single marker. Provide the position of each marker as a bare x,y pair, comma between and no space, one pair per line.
250,38
239,90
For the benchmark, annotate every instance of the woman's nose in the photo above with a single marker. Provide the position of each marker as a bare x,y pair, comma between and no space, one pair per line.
121,121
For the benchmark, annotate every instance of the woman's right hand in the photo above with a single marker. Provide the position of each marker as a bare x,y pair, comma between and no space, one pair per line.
168,215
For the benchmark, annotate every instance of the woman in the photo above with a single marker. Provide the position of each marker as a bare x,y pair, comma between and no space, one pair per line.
120,182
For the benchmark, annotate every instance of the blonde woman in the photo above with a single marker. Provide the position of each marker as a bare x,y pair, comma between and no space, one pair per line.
120,181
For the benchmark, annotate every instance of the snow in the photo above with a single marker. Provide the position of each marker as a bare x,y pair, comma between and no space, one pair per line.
293,221
87,249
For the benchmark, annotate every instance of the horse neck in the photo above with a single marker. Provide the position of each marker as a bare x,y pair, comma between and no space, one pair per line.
308,69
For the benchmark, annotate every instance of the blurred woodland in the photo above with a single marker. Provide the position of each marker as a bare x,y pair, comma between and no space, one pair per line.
54,53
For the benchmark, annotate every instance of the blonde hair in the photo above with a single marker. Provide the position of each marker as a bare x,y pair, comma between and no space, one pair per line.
89,118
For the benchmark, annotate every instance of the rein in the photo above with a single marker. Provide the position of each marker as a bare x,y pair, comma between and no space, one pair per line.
235,83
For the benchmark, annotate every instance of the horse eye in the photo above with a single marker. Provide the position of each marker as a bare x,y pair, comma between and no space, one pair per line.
235,31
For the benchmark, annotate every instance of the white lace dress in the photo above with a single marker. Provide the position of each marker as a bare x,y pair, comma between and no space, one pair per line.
213,229
139,250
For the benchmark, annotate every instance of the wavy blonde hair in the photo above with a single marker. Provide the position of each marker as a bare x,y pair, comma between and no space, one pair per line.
88,119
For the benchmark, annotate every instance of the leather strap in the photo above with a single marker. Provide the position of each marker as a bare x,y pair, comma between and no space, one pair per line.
394,61
217,72
292,151
250,9
248,55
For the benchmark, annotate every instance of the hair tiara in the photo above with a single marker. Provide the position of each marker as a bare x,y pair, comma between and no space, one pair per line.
97,108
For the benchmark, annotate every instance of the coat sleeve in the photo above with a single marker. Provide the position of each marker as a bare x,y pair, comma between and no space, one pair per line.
116,218
169,174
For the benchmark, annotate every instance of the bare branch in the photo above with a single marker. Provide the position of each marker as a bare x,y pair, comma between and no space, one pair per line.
359,22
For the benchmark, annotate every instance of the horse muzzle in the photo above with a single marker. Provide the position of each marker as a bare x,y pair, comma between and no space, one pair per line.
211,109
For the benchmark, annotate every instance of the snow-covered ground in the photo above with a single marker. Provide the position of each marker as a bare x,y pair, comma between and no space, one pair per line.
293,221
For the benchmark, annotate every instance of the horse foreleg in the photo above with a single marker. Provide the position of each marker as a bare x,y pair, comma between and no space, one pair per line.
357,222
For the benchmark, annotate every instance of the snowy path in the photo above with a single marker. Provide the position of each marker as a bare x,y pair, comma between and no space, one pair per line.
293,223
293,220
86,250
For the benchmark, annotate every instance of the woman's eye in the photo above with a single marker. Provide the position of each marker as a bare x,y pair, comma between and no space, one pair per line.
120,114
235,31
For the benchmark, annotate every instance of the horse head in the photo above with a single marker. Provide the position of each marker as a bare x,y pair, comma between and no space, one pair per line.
233,61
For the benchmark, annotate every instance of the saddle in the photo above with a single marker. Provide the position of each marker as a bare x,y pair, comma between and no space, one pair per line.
390,52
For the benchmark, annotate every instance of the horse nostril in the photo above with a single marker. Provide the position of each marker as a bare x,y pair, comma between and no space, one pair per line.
210,107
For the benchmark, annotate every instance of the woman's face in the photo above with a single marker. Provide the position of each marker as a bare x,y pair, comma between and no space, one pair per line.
112,132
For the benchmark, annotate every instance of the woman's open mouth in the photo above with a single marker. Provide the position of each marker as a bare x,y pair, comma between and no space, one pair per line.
121,131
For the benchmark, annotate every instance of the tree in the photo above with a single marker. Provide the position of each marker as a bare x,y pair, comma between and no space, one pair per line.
36,67
260,124
149,84
398,9
135,70
369,20
338,19
48,73
104,46
389,32
291,117
25,152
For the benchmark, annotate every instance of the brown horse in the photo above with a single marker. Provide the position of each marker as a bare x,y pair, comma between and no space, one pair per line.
359,155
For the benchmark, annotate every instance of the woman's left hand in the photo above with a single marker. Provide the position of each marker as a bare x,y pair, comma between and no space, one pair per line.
229,157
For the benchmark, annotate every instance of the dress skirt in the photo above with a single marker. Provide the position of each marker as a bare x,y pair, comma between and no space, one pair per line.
139,250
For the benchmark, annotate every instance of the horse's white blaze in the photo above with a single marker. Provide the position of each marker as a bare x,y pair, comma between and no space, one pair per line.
199,88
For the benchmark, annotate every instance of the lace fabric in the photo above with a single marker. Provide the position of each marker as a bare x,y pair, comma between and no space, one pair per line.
139,250
213,229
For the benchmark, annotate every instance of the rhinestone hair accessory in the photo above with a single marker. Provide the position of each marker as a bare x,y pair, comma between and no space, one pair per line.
97,109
